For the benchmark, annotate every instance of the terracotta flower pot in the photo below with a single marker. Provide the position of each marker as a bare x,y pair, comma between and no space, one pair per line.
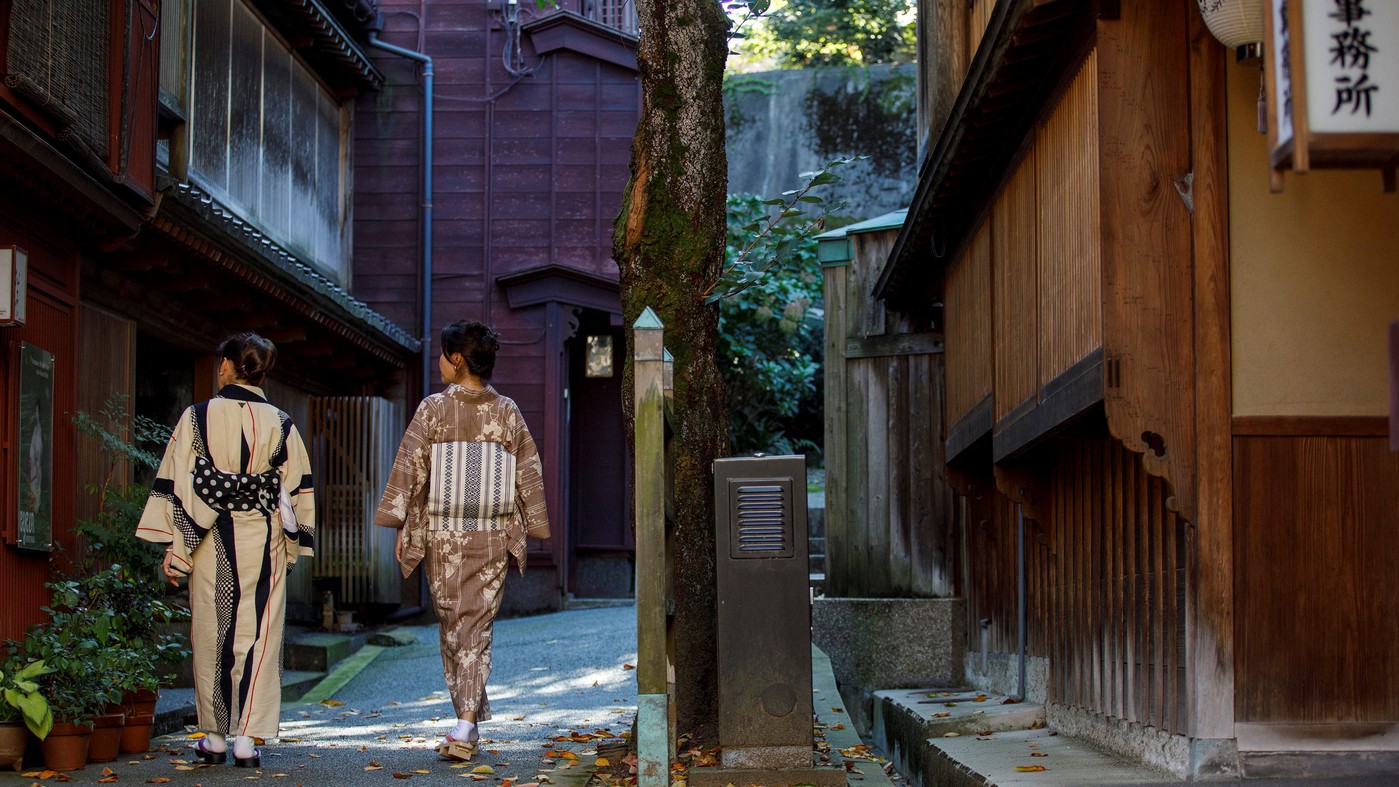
65,748
140,702
14,736
105,743
136,733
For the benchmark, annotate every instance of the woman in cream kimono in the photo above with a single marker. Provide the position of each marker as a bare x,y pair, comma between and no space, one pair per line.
233,505
465,490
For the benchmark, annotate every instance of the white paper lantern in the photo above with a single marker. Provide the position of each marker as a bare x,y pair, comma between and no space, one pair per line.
1235,23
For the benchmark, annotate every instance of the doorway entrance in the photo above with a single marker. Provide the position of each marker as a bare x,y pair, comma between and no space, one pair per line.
599,518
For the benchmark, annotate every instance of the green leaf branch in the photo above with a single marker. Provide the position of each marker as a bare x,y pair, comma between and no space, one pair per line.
763,252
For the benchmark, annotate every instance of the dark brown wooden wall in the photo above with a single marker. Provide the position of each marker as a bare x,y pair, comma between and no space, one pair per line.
52,325
527,172
1317,573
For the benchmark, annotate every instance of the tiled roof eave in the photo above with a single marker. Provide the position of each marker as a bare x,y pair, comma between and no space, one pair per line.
197,221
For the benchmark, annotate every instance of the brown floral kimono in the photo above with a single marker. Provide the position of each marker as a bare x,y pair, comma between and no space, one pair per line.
468,486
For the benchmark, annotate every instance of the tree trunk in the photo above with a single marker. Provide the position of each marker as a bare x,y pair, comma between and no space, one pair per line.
669,244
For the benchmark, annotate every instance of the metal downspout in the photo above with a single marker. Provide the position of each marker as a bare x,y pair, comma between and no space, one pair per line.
426,197
1021,611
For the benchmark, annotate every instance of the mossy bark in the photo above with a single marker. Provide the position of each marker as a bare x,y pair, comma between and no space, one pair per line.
669,244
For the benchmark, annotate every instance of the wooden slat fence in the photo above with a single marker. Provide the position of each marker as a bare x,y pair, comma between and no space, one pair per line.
1119,594
968,310
352,441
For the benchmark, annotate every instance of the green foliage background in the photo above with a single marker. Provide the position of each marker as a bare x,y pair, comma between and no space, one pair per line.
801,33
770,338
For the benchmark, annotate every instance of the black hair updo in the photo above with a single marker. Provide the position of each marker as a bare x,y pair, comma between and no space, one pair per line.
477,344
252,356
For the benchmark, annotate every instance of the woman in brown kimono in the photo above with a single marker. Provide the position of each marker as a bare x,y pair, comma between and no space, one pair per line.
466,489
232,502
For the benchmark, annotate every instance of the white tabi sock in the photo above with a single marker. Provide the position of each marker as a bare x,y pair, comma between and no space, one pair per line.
465,731
214,742
243,747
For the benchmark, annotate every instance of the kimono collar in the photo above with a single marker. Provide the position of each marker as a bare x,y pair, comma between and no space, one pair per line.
457,390
242,393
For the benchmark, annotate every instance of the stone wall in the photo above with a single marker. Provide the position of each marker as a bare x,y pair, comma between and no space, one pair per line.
784,123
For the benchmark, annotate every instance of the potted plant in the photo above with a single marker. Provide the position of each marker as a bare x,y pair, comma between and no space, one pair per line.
73,645
23,709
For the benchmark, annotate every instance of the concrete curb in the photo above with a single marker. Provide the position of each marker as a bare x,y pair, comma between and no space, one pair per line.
833,720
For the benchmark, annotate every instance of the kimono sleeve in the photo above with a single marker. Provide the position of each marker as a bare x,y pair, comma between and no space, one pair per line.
404,504
529,479
165,519
300,489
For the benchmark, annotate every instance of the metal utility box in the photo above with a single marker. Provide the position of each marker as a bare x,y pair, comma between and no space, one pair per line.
764,623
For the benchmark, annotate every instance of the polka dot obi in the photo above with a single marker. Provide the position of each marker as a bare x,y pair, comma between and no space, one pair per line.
235,491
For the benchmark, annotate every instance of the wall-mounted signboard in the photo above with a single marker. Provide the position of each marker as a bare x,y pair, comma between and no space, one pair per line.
35,465
1333,86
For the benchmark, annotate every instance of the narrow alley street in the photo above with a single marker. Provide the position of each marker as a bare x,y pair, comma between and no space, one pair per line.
559,675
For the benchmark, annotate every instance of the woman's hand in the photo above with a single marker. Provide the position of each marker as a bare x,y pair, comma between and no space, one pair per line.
398,544
170,573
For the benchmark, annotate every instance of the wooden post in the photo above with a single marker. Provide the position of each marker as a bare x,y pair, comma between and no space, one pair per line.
653,746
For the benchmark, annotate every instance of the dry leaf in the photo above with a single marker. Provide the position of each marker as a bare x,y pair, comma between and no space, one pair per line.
108,780
398,775
1030,768
483,769
290,740
158,780
373,766
835,726
519,718
179,762
952,735
1038,754
332,703
420,770
628,666
184,767
603,762
108,772
194,736
942,715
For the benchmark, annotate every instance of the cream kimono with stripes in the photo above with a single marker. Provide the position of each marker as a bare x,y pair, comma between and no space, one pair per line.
233,465
467,487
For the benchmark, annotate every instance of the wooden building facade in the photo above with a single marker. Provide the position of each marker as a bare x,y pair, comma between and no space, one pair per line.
1172,378
532,115
175,172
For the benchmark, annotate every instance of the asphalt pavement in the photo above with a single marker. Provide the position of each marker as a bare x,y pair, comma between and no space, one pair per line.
565,675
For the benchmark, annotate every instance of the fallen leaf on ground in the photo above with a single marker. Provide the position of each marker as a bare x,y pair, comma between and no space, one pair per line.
603,762
108,780
835,726
942,715
483,769
519,718
628,666
373,766
290,740
1030,768
421,770
158,780
194,736
398,775
179,762
952,735
1038,754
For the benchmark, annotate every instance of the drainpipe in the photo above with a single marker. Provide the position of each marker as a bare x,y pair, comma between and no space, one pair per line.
1021,611
375,28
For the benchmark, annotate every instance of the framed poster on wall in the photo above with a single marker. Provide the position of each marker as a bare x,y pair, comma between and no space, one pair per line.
35,498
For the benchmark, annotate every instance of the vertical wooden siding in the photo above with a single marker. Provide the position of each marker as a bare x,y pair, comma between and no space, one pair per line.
992,586
353,440
1118,645
978,16
968,310
103,373
888,506
1016,279
899,540
1317,579
1070,262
